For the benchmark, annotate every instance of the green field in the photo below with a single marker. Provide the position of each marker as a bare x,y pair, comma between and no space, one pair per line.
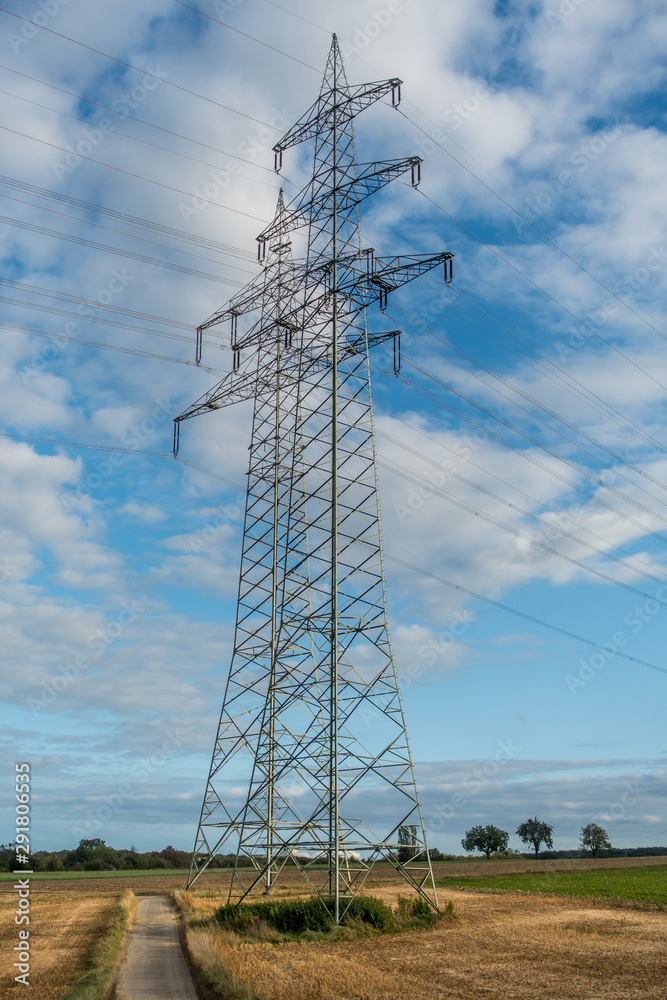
130,873
648,885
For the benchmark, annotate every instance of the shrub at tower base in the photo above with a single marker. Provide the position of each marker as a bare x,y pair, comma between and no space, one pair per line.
295,918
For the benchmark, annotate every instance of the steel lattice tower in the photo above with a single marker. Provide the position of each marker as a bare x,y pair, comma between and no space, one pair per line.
312,723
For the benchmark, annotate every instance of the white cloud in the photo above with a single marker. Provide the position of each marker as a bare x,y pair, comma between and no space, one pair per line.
77,536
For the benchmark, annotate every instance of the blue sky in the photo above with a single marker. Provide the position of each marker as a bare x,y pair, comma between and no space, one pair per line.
139,136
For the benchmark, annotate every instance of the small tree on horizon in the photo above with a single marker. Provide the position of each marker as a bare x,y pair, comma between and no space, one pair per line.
487,839
535,833
594,838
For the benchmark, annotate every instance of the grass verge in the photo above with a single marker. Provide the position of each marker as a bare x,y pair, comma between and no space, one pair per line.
105,953
632,885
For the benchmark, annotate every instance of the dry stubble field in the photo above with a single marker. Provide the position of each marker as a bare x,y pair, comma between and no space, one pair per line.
62,928
499,947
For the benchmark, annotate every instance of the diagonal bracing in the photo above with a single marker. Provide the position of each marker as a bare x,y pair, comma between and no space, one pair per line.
311,764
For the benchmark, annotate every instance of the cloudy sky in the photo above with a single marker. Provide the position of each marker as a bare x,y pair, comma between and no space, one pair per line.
137,172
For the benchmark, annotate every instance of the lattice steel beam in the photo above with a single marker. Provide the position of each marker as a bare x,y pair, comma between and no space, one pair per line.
312,724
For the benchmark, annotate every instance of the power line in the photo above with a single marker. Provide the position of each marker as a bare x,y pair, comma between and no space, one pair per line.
546,410
52,293
539,288
134,138
509,528
32,331
120,232
130,173
251,37
563,378
130,220
534,227
532,459
522,614
123,252
143,72
134,118
548,525
116,449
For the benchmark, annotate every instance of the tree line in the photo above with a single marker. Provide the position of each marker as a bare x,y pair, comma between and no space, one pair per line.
533,832
94,854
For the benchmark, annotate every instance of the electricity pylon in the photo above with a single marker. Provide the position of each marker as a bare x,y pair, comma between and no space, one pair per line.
311,757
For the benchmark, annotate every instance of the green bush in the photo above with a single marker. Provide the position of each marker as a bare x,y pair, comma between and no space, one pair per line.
414,910
297,916
371,910
289,916
421,909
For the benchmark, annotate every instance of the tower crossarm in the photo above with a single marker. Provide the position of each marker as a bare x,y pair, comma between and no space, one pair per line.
363,285
396,271
251,297
348,195
236,387
351,101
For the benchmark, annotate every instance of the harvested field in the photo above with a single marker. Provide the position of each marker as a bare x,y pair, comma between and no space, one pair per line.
508,946
62,929
114,883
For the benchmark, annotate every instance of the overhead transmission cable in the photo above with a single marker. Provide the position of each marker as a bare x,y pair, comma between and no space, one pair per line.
528,457
400,562
539,288
145,72
521,614
120,232
575,466
34,332
540,406
134,138
134,118
132,220
643,568
130,173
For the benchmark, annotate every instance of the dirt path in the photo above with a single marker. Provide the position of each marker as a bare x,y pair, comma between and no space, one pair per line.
153,967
